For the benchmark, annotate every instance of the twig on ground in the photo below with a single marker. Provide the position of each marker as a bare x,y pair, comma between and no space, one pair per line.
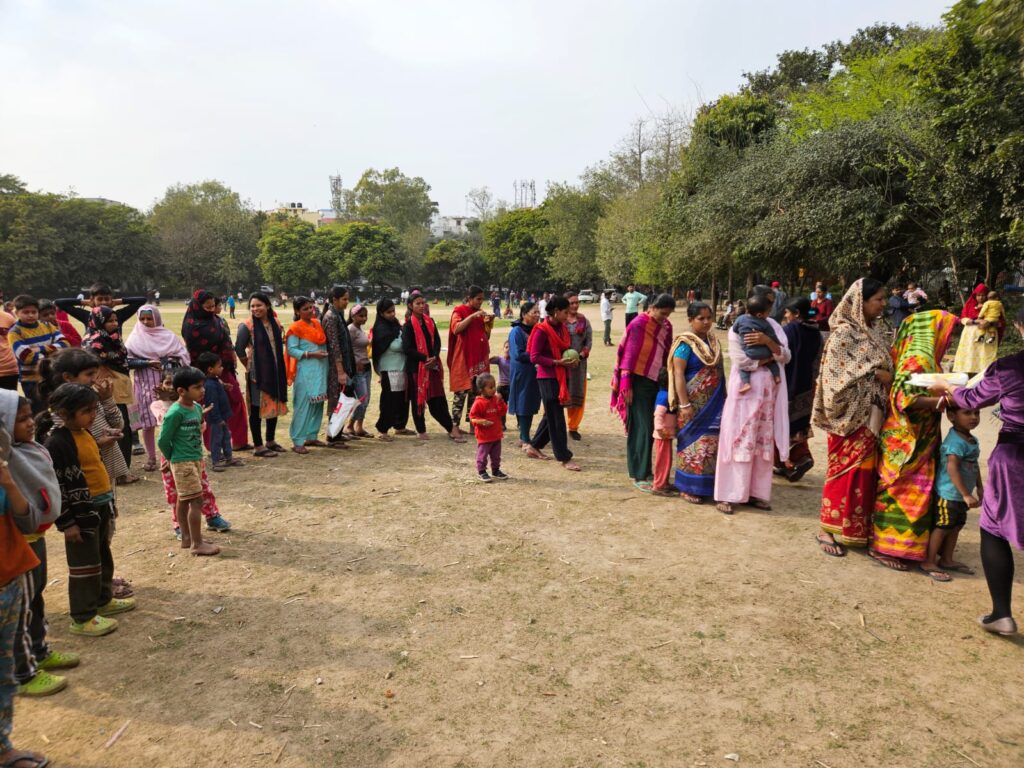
134,552
232,722
586,579
123,728
965,757
454,562
296,594
357,559
823,765
469,657
281,751
660,645
255,725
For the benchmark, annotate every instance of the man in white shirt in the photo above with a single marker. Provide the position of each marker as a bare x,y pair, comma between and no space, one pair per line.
632,301
542,305
606,316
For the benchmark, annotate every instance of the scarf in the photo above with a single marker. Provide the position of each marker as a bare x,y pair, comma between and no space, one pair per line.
312,332
472,341
847,388
383,333
267,359
204,332
558,340
708,352
642,353
973,304
108,347
422,328
156,343
31,467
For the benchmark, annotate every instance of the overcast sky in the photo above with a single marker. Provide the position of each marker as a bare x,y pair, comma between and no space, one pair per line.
121,98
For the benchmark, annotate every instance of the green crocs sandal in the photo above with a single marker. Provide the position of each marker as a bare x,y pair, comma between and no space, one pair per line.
58,660
97,626
117,605
43,684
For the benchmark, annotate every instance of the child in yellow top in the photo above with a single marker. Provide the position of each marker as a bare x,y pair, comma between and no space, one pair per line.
989,315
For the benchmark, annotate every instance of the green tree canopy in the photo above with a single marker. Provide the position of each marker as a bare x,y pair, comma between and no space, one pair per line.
515,249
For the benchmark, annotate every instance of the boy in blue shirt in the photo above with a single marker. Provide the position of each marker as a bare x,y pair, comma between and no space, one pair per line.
957,489
215,398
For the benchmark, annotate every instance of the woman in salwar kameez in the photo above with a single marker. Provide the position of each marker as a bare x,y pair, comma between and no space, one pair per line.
1002,510
307,372
856,371
696,391
581,338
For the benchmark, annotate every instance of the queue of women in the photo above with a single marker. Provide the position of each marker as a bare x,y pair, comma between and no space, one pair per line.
892,485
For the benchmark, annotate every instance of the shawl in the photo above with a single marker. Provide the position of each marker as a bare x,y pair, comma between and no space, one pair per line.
708,352
642,352
559,341
203,331
472,342
31,467
920,344
108,347
973,303
267,359
384,332
423,330
847,387
312,332
69,330
156,343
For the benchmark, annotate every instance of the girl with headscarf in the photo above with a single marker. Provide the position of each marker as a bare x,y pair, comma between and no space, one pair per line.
152,341
973,355
389,361
850,397
804,340
260,347
909,445
307,373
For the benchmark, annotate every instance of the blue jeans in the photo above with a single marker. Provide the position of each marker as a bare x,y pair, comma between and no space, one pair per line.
11,607
361,386
220,442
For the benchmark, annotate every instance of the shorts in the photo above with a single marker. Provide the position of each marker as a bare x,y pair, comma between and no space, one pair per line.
188,479
950,514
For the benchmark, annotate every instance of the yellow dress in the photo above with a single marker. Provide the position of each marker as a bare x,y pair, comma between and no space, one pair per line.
973,355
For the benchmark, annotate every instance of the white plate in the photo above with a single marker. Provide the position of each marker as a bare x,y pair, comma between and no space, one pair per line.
927,379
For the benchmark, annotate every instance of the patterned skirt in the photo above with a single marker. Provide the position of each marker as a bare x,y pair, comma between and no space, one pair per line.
851,481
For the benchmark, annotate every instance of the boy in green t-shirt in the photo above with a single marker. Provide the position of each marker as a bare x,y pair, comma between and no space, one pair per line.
181,443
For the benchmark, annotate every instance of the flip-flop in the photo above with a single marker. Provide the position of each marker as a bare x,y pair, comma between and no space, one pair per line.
298,449
644,486
691,499
822,543
759,504
666,492
725,508
959,568
936,575
265,453
889,562
277,447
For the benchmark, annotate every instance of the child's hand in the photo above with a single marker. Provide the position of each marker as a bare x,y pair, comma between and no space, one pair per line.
485,422
228,387
666,434
104,388
972,502
109,438
73,534
207,409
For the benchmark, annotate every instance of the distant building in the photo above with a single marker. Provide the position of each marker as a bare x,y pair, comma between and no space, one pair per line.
298,211
445,226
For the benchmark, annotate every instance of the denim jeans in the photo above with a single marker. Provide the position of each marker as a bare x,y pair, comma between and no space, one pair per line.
361,386
220,442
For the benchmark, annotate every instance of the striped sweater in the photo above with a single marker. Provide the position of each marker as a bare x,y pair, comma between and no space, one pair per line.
31,343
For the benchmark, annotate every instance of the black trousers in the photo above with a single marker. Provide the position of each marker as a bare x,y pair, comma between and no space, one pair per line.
393,406
438,407
125,443
630,317
30,644
552,427
255,427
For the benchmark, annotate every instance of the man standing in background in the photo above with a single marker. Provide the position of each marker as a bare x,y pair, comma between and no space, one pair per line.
632,301
606,316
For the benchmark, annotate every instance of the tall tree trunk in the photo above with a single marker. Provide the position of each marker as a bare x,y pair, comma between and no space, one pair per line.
988,262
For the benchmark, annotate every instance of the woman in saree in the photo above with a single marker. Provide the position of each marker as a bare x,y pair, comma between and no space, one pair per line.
801,372
307,373
910,439
1002,510
259,345
856,371
151,340
973,355
696,389
755,422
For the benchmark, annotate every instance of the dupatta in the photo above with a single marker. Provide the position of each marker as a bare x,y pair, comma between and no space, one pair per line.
309,330
423,331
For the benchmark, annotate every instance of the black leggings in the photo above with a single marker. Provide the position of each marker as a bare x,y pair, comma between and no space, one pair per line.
997,560
254,426
125,443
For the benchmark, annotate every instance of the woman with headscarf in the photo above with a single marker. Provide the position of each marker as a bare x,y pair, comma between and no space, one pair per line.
422,346
523,391
260,347
755,422
306,364
389,361
696,391
973,355
804,340
910,441
152,341
849,399
204,331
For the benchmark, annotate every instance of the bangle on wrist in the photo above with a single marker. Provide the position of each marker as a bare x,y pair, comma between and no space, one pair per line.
686,405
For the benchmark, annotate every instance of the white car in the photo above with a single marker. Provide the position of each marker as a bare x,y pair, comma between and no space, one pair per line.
587,297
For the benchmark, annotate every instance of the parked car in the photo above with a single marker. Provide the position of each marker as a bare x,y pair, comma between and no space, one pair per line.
587,296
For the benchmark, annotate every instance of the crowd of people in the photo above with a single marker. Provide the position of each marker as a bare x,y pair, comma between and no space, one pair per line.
892,484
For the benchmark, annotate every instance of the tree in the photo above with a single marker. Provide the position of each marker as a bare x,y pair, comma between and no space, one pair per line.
571,234
394,198
287,258
481,201
374,249
443,260
514,248
11,185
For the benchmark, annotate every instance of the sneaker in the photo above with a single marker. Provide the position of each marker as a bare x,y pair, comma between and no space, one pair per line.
484,477
497,474
43,684
217,523
177,533
117,605
57,660
97,626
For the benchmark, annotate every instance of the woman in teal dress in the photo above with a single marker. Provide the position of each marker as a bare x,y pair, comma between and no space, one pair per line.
697,390
307,373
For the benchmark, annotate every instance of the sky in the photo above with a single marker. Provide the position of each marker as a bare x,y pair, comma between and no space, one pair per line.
123,98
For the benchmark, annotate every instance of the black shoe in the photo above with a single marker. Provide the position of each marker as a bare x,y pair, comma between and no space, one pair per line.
799,472
575,435
484,477
497,474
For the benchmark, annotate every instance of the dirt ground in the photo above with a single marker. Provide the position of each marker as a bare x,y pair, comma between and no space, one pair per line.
382,607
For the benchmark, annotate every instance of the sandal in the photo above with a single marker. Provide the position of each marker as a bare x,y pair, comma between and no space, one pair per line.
337,445
265,453
958,568
246,447
404,431
298,449
759,504
830,547
644,486
362,433
127,479
277,447
456,438
149,466
724,507
936,575
889,562
316,444
690,498
384,437
667,492
235,463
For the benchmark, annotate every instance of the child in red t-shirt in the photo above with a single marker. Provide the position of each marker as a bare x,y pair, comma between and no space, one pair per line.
486,414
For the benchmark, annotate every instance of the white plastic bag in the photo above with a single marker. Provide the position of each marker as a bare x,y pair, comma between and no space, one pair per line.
346,405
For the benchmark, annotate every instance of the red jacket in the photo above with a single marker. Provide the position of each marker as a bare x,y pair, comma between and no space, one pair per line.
491,408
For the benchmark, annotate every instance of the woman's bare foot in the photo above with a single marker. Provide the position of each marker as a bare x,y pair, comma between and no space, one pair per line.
571,466
423,436
957,567
300,449
828,544
889,562
206,549
742,389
